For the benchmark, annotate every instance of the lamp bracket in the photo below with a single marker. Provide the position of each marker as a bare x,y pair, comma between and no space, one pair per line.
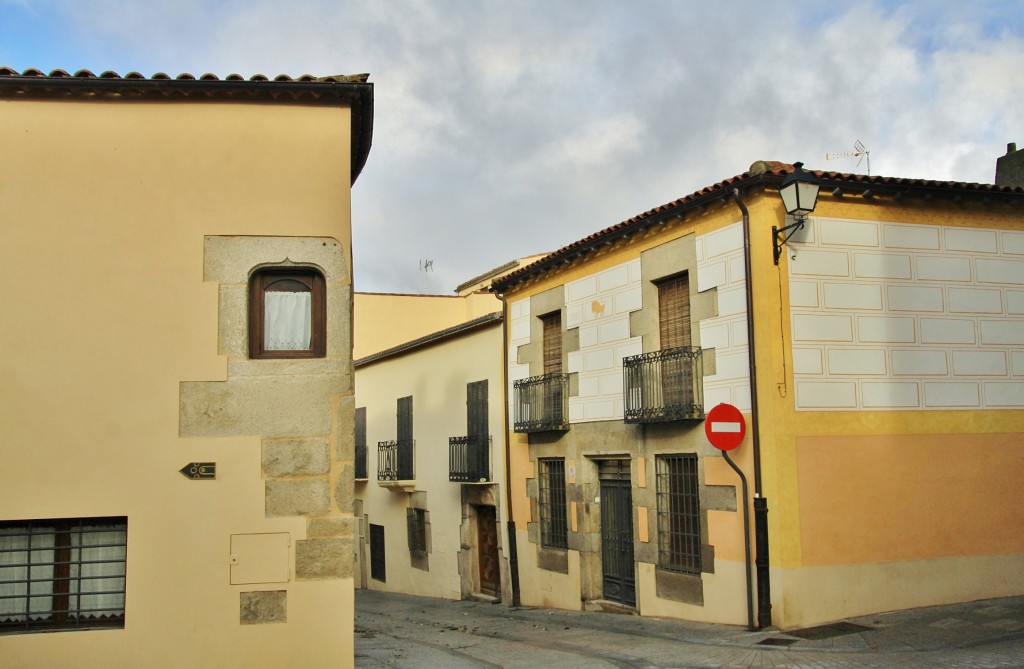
778,241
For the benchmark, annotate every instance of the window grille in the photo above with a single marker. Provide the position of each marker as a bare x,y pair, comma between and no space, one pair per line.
663,385
469,459
678,490
417,526
62,574
541,403
361,443
395,461
554,528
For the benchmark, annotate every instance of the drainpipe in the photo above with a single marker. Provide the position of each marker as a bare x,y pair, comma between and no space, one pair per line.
513,552
764,597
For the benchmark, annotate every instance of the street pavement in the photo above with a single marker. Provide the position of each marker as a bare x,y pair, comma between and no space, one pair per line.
399,631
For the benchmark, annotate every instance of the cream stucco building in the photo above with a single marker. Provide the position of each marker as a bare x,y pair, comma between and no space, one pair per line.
879,369
177,405
430,457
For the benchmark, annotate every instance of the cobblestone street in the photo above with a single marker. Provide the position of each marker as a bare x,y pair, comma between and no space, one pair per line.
404,631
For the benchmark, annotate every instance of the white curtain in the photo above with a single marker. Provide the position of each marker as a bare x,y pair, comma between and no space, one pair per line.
287,322
26,573
98,579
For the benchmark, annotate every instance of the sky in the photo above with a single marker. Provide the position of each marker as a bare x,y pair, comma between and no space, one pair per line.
505,129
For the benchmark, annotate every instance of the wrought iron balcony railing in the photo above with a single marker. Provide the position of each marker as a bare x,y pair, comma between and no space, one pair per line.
469,459
542,403
664,385
395,461
360,461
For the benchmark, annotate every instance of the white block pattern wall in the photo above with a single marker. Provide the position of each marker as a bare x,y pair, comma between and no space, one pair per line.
599,305
720,265
889,316
519,335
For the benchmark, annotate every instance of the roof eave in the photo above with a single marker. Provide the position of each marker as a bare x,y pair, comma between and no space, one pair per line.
358,96
833,183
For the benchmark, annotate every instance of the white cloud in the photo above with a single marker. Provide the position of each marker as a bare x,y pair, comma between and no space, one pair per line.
502,129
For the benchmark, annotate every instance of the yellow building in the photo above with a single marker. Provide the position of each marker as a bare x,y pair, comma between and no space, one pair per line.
177,404
883,401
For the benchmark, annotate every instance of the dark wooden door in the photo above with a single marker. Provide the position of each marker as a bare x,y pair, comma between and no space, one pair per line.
617,539
487,548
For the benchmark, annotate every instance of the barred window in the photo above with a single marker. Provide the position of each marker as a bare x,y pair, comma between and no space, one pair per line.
417,524
679,540
62,574
554,528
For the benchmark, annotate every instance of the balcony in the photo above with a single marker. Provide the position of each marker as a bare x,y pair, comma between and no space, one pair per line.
469,459
395,463
541,403
664,386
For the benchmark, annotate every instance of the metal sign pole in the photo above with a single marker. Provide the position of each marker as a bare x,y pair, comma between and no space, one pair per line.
746,541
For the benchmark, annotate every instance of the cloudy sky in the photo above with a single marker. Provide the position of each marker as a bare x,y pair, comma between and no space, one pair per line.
509,128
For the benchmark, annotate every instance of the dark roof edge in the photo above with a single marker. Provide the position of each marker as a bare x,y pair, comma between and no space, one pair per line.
353,91
417,295
432,338
486,275
767,174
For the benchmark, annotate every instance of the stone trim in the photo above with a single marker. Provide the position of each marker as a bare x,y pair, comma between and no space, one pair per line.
307,451
261,607
661,262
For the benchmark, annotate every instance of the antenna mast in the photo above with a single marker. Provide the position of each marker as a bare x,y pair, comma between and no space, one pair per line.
860,152
426,266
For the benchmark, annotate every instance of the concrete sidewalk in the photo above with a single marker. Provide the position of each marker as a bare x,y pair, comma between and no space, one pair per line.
394,630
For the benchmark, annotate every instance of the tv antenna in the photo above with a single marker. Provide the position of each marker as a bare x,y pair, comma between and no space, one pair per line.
860,152
426,266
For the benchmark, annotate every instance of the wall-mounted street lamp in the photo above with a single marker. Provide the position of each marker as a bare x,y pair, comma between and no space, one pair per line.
799,193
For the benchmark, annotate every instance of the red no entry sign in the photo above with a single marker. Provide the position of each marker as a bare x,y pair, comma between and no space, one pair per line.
725,427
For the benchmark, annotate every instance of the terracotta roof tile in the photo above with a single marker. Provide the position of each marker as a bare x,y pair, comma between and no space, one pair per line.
185,76
769,174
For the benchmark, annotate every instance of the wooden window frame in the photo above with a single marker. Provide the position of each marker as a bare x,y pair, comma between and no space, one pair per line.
265,278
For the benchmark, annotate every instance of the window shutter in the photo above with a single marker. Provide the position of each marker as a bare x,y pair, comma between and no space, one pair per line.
405,419
360,442
674,311
476,409
552,326
410,526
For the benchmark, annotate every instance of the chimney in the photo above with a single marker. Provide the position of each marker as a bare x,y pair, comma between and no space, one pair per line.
1010,168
